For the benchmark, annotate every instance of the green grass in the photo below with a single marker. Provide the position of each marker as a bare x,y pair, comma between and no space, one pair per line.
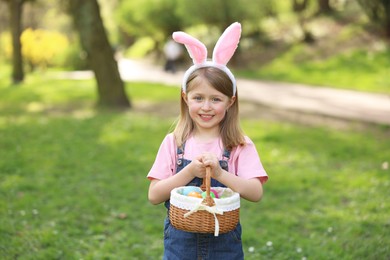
73,185
357,69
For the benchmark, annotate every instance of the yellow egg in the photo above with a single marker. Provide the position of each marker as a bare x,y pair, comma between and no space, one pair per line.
194,194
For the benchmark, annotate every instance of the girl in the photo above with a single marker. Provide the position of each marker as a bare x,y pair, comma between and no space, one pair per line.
207,134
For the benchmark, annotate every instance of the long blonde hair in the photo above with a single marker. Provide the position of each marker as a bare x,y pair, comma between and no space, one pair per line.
230,129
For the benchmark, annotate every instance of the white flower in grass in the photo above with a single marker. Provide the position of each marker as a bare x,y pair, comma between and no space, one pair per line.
23,213
304,258
330,229
251,249
385,165
269,243
35,212
299,250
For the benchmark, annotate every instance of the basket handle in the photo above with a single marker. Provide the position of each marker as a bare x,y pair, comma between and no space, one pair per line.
208,200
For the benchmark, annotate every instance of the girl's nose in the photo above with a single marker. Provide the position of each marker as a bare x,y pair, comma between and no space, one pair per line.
206,105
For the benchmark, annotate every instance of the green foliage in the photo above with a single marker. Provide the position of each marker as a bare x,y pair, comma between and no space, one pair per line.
74,58
73,185
223,13
140,48
153,18
158,19
378,11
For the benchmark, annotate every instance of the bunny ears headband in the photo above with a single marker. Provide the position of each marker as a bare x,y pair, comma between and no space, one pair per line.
223,52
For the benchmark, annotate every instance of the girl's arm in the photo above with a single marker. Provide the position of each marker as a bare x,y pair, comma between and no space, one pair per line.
251,189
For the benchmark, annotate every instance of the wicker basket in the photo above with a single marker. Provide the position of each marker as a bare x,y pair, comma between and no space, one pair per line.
206,215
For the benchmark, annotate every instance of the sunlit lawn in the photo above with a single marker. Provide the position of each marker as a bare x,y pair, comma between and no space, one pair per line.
356,70
73,185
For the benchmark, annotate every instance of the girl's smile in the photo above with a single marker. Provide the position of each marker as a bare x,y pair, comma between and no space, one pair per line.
206,117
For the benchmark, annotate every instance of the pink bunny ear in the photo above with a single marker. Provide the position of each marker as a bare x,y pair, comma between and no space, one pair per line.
227,44
196,49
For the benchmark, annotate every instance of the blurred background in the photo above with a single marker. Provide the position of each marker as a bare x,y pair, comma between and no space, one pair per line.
338,43
87,96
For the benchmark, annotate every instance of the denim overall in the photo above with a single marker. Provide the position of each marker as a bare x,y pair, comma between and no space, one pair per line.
182,245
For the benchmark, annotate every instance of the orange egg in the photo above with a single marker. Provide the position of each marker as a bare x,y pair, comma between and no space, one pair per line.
195,194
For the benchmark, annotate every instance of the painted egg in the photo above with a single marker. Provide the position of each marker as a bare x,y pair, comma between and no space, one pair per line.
187,190
212,194
194,194
215,192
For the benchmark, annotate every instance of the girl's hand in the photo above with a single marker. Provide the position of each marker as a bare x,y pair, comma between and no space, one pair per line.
197,168
211,160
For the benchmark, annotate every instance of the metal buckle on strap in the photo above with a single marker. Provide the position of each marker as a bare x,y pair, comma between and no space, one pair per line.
179,161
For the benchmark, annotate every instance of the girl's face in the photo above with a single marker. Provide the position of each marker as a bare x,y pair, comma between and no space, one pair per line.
207,106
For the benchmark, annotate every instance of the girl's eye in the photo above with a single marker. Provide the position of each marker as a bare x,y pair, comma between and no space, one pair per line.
198,98
216,99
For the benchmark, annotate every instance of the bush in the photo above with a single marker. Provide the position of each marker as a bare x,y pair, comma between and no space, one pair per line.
75,58
42,48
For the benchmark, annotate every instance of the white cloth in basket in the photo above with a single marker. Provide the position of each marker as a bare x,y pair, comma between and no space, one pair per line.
230,200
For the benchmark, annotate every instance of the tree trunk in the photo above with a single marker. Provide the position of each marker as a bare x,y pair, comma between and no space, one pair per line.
16,30
324,7
387,29
386,5
100,55
299,6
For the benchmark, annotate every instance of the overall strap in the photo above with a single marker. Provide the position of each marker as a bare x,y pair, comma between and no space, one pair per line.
225,159
180,154
226,154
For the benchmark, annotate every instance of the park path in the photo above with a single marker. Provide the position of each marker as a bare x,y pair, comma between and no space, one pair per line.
313,100
337,103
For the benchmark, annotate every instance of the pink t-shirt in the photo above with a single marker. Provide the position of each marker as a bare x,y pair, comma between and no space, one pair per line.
244,160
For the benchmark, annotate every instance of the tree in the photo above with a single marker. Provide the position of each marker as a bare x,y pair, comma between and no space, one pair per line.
15,11
379,12
100,55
